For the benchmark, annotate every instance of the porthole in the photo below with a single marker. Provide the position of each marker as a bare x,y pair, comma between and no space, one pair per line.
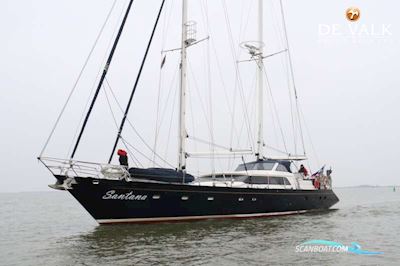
96,182
184,197
240,199
156,197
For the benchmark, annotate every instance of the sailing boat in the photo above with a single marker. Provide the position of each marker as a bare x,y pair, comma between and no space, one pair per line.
267,186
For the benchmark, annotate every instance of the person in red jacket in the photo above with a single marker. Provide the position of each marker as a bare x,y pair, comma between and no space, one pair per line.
303,170
317,184
123,158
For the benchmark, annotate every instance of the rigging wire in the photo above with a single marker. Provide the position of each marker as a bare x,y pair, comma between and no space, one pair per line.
292,114
131,154
193,128
106,67
284,60
171,121
157,127
78,78
269,89
251,98
157,118
137,150
137,161
200,98
164,111
210,98
165,27
292,73
233,130
209,143
242,28
95,81
274,126
239,81
157,113
277,150
93,87
136,82
309,137
208,74
208,122
133,128
115,120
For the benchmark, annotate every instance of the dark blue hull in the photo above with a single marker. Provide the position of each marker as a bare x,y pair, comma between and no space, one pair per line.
113,201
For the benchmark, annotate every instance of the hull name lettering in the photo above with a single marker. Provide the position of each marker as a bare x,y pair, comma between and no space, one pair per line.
111,195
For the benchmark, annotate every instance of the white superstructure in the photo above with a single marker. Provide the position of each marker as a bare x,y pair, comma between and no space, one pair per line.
266,174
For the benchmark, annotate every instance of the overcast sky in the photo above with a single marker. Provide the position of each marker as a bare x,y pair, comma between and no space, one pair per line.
347,76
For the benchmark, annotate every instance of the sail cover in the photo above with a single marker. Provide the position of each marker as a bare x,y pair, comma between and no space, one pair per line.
160,174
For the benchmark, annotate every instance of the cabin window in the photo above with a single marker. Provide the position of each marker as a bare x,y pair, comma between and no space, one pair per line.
253,199
281,168
210,198
185,198
257,180
265,180
265,166
240,199
156,196
256,166
227,177
276,180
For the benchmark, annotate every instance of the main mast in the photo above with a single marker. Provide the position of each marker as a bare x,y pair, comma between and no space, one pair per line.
182,102
260,93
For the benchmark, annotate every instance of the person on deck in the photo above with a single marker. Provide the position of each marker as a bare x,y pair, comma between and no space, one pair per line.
123,158
317,183
303,170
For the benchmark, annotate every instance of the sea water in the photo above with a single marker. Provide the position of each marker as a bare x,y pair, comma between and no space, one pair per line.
51,228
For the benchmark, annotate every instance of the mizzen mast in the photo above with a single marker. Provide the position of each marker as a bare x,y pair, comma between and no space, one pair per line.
183,85
260,88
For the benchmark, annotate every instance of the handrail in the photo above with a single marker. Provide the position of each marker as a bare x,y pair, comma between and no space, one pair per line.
75,168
